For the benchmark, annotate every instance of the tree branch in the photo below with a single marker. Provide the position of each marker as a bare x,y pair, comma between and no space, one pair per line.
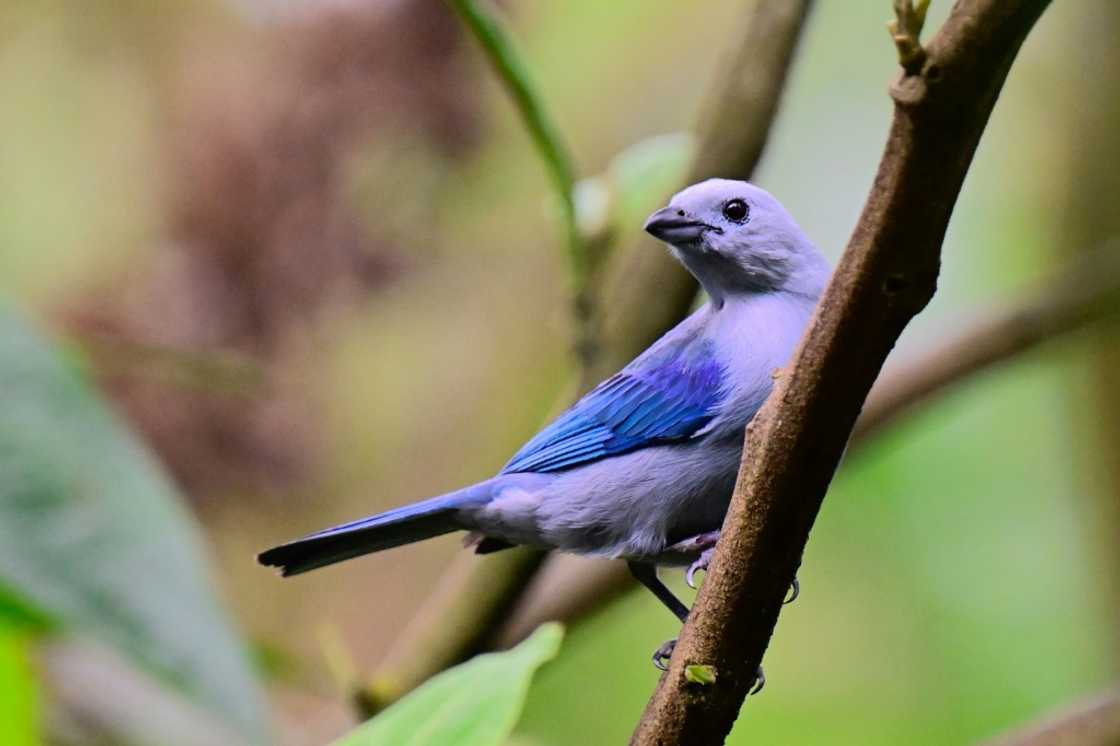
741,108
1093,723
886,275
1085,291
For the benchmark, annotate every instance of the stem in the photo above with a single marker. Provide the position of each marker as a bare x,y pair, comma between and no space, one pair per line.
486,26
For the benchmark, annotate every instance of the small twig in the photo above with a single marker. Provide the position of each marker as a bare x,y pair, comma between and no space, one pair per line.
906,30
886,275
473,596
496,42
1093,723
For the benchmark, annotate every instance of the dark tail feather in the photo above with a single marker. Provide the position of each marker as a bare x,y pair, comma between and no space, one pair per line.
411,523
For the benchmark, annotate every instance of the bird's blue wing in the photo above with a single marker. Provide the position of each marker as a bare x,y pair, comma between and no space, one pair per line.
666,395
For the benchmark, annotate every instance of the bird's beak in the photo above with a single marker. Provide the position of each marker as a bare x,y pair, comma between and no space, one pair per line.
675,226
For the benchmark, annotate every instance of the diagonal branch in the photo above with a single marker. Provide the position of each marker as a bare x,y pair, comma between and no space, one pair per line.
886,275
1093,723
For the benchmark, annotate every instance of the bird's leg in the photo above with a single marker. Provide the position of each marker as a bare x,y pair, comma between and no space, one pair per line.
647,576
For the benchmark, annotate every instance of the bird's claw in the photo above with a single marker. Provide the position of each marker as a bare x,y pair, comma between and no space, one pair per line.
795,591
662,655
758,683
701,563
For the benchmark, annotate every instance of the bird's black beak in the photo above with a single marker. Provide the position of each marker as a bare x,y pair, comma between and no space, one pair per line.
675,226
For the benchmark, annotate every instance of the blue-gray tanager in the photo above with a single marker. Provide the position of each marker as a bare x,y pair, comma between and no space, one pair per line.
642,467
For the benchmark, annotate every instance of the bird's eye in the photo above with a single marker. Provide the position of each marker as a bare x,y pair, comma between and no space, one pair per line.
736,210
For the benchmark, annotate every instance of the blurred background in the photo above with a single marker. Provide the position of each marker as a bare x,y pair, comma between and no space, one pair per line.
309,256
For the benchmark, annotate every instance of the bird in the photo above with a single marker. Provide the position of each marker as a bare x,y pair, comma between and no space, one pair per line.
643,466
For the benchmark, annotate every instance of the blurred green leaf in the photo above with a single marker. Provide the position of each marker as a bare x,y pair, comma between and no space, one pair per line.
474,704
17,614
94,535
644,174
636,181
18,691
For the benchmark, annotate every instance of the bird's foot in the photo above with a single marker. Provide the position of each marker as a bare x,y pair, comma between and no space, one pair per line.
662,655
701,563
705,559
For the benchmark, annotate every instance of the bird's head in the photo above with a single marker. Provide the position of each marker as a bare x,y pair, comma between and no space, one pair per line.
736,238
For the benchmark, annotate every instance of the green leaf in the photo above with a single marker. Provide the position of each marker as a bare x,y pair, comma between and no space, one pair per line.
643,175
19,693
701,674
474,704
93,534
17,614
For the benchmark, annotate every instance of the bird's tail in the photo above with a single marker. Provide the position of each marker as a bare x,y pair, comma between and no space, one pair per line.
404,525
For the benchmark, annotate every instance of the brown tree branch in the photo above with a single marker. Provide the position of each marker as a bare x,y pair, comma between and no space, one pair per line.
1085,291
886,275
1093,723
479,592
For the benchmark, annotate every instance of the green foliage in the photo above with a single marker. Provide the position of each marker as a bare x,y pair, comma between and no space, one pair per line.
643,175
18,691
94,537
17,614
474,704
636,181
484,23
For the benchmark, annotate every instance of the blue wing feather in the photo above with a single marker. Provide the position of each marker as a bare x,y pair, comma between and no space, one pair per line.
665,396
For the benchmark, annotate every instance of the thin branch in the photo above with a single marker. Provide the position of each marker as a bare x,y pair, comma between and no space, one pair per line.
498,46
1093,723
886,275
1085,291
763,52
